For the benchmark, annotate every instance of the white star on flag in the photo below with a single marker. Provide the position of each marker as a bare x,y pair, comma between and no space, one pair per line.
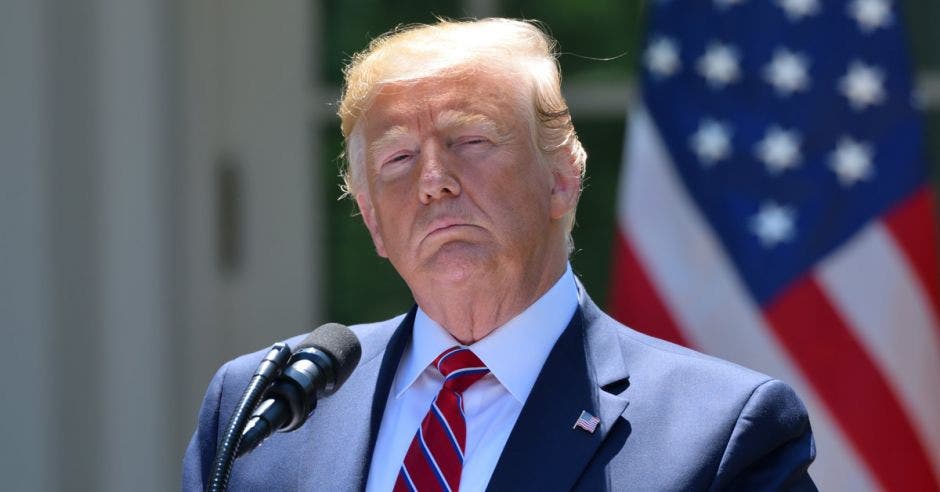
662,57
773,224
797,9
712,142
779,150
787,72
863,85
719,65
851,161
871,14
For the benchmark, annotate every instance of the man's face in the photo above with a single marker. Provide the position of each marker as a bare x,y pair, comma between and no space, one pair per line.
456,189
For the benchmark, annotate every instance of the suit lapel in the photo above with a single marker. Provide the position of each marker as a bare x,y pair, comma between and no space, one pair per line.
606,363
383,384
544,451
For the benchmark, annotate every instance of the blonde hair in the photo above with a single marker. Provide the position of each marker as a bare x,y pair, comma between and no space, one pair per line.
415,52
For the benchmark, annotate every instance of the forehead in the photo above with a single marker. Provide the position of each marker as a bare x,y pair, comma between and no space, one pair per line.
443,101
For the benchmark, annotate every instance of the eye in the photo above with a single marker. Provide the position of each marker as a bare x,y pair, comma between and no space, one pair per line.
395,164
397,158
473,141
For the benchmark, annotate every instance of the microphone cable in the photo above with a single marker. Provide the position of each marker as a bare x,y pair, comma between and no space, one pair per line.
269,368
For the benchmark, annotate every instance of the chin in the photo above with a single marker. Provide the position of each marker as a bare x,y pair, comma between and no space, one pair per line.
459,263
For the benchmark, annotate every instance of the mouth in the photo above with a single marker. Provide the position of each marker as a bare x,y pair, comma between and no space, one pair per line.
442,226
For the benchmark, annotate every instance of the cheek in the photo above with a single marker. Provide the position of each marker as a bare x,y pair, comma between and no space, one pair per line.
393,212
521,199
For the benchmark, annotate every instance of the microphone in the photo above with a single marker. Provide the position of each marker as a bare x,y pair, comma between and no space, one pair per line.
318,367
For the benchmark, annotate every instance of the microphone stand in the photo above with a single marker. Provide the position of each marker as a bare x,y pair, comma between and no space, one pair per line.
270,367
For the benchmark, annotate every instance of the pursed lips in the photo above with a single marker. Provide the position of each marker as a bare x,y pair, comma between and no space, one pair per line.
442,224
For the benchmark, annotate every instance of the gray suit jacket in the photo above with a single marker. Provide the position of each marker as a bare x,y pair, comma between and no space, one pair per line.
671,419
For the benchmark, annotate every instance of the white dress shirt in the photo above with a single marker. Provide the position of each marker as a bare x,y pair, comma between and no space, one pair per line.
514,353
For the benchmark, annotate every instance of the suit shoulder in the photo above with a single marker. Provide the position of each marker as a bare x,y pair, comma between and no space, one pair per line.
373,337
669,360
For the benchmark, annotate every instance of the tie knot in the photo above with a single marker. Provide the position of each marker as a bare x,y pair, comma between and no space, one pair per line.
460,368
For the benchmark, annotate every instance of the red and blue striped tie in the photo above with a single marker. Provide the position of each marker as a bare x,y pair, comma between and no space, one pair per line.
435,457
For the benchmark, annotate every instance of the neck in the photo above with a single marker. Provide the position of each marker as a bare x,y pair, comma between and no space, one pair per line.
472,309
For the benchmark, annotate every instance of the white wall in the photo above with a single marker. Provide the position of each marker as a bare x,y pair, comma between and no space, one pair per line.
113,310
24,289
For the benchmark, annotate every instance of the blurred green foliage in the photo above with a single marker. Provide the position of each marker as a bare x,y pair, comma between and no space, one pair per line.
588,31
921,17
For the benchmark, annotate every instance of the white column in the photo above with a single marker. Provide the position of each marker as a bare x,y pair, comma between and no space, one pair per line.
247,77
24,290
136,159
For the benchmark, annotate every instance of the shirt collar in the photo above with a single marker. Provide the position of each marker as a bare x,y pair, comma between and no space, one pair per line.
536,330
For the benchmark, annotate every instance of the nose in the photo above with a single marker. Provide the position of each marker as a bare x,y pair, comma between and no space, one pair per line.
437,179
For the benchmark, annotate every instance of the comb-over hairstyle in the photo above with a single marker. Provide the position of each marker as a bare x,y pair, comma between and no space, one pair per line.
517,49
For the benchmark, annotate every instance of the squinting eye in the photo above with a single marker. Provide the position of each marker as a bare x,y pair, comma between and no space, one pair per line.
397,158
474,141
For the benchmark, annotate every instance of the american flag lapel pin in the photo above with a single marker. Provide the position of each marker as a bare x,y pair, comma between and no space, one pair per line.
586,422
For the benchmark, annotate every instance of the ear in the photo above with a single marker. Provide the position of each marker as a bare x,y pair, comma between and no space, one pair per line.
368,216
566,188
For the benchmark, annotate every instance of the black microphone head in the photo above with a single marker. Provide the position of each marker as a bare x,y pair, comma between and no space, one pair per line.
341,344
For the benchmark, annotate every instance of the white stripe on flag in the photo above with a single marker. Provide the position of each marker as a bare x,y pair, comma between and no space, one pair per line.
874,290
702,291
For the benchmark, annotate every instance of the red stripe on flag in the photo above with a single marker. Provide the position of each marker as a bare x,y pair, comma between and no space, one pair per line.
851,386
634,301
913,225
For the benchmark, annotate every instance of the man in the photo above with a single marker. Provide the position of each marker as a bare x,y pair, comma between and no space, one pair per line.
467,170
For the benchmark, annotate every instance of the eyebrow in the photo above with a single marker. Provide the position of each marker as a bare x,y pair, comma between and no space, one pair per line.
451,119
388,136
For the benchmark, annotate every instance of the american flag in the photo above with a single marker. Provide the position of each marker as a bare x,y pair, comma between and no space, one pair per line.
775,211
587,422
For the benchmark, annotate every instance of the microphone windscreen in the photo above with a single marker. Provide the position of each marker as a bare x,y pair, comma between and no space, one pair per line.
338,342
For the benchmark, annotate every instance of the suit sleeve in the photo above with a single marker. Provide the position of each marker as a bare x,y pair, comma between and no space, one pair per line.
771,446
197,462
